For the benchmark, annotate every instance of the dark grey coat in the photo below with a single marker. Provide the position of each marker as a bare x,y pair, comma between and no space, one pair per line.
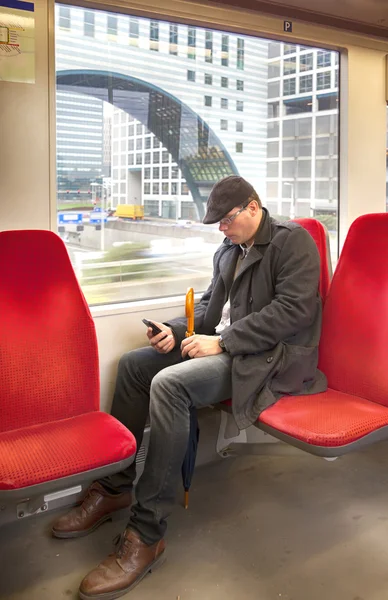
275,316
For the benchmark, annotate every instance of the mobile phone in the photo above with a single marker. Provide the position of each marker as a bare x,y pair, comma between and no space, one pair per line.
155,328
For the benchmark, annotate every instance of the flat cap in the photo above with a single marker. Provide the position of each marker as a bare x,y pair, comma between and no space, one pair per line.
227,193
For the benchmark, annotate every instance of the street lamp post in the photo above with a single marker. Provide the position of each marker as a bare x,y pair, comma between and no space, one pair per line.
293,199
102,218
106,193
95,186
176,200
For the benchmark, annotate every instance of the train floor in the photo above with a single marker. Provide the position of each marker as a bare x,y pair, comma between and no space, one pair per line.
291,527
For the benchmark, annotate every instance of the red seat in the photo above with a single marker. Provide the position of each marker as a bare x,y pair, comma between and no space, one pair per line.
321,238
353,354
329,419
27,458
52,434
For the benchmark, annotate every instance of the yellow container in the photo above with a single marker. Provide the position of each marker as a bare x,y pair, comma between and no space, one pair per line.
130,211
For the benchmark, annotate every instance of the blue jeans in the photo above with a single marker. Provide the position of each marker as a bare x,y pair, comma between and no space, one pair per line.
165,386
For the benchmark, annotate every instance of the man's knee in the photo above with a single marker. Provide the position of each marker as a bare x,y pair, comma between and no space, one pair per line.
128,362
167,387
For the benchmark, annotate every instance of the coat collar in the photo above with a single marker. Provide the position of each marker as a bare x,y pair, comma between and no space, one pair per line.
263,234
262,238
227,264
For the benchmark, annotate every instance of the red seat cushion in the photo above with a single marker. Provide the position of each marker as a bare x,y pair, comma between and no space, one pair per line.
48,347
353,350
54,450
328,419
318,233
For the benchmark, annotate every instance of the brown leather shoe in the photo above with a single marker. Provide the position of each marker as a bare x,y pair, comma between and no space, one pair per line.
97,507
123,570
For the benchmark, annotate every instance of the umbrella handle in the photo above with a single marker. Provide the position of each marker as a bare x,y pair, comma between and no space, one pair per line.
189,307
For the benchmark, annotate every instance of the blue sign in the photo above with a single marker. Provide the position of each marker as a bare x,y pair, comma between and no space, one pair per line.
17,4
70,218
97,216
287,26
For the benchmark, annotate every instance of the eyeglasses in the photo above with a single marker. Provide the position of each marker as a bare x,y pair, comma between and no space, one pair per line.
229,220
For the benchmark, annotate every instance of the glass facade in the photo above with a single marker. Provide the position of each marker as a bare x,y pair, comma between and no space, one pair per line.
302,143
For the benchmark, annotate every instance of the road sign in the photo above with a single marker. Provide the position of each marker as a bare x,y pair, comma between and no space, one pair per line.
97,216
70,218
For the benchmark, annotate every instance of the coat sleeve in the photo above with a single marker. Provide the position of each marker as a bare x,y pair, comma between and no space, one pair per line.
179,325
295,303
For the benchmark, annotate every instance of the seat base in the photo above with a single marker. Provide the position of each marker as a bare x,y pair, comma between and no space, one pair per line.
60,454
328,424
327,451
42,489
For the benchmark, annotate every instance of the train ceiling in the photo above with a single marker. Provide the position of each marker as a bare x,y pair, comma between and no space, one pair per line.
364,16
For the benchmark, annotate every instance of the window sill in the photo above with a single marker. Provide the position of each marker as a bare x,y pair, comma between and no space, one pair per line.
139,306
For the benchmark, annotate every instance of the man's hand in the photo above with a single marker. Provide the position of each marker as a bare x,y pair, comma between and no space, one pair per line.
164,342
197,346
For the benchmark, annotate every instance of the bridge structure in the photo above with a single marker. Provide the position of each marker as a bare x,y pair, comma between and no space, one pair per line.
197,150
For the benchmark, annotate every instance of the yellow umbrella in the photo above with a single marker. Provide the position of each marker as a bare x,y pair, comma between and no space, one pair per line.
190,312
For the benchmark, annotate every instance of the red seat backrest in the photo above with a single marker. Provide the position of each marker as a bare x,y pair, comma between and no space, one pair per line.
48,347
354,343
319,234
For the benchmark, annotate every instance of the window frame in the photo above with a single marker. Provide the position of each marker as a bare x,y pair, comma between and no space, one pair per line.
203,24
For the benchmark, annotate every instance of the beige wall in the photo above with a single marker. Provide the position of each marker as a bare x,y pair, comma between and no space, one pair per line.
24,145
362,135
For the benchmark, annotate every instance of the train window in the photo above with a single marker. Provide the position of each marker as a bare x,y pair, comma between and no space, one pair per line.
139,149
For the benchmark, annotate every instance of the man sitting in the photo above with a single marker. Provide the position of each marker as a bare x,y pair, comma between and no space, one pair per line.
257,333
